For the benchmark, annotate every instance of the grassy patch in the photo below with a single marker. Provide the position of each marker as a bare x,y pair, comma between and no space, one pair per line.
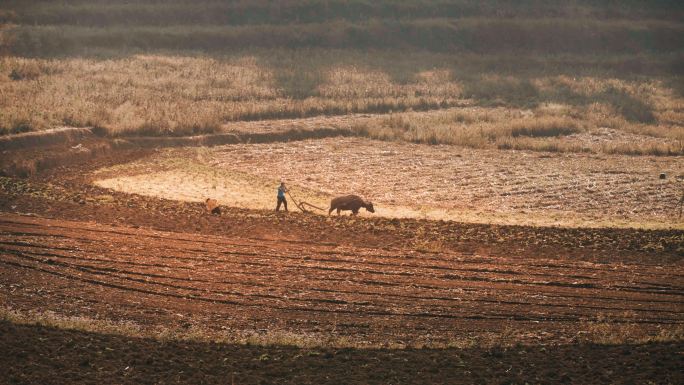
502,91
197,333
653,149
629,106
598,332
473,128
162,95
545,127
548,128
175,69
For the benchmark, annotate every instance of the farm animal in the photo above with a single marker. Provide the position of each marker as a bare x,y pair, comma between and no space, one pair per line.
212,206
350,202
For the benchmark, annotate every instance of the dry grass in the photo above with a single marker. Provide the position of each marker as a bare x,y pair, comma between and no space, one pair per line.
549,128
597,332
157,95
195,333
605,332
176,69
181,95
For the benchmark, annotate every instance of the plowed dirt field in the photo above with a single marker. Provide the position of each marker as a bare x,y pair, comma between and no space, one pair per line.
104,286
351,294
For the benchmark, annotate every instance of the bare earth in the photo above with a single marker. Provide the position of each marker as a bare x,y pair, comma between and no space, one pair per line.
421,181
373,299
364,296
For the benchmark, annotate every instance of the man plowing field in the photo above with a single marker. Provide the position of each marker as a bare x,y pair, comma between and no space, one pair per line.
281,196
347,202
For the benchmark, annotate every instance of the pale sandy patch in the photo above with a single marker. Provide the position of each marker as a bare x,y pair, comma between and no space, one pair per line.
418,181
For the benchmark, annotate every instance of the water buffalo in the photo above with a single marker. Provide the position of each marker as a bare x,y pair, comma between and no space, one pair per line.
350,202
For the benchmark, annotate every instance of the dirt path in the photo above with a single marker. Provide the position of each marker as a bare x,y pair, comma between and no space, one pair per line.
363,295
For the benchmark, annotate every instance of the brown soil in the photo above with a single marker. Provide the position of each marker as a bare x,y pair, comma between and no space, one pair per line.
58,196
77,250
365,295
39,355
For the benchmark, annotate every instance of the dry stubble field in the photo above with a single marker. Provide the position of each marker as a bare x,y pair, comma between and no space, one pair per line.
117,254
420,181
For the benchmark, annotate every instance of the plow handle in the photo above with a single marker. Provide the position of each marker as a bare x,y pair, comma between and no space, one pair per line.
301,205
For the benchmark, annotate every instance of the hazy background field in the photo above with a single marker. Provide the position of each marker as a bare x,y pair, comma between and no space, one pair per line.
556,68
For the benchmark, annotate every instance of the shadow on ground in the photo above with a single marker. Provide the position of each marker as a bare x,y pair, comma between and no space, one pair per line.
38,354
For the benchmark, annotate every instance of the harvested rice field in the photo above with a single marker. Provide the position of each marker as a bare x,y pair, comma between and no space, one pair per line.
419,181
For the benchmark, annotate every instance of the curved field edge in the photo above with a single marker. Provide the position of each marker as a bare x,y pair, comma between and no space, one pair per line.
445,183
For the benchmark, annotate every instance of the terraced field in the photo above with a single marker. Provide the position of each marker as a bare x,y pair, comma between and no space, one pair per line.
525,161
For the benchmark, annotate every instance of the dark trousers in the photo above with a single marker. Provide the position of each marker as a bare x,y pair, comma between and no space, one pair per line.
283,201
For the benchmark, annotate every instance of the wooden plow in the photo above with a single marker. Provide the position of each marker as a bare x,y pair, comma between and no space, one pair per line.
304,206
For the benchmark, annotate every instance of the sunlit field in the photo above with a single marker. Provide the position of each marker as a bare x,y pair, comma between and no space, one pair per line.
518,170
179,95
418,181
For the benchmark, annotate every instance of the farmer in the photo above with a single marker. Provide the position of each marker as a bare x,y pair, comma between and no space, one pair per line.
281,196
